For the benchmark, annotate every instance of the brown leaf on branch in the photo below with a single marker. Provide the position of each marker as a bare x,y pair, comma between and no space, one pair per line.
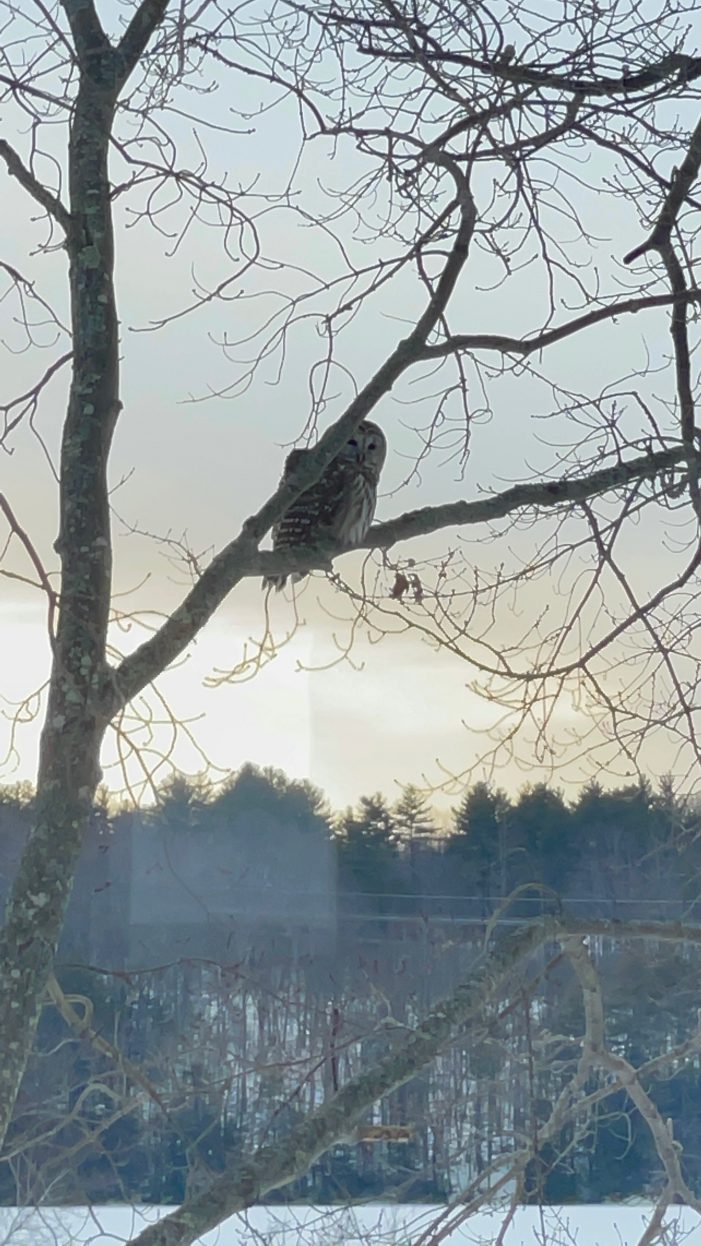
400,587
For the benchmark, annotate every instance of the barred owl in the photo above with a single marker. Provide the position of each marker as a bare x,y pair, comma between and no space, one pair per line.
340,506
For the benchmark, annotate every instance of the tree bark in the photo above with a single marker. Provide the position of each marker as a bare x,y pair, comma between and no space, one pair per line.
72,735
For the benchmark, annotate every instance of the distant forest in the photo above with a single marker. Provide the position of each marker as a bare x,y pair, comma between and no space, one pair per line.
604,843
207,1057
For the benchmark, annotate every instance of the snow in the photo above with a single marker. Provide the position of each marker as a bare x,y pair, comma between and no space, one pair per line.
370,1225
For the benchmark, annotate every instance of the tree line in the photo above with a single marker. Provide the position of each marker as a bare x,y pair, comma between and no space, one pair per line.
250,1066
633,842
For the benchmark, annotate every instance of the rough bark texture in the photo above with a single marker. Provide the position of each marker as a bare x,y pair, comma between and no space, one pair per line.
74,727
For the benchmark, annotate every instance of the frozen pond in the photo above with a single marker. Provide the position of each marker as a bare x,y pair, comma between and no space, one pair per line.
372,1225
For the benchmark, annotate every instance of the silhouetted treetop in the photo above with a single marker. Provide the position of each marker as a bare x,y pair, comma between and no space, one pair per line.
412,815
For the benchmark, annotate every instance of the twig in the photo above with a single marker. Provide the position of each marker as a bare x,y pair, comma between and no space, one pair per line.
36,563
50,202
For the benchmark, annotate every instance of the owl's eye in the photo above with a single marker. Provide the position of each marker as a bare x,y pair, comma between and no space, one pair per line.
353,442
372,445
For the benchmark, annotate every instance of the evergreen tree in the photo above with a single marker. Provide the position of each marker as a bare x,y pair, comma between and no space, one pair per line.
182,802
18,797
541,825
412,816
269,791
367,846
414,828
479,842
629,841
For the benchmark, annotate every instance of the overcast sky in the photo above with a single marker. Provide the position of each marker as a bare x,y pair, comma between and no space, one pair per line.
398,711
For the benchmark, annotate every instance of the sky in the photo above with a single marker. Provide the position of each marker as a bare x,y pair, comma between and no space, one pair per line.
190,464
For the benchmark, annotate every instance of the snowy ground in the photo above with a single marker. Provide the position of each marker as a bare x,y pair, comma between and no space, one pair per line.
359,1226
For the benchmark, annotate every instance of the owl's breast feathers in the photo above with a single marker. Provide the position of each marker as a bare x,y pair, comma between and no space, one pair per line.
338,508
319,511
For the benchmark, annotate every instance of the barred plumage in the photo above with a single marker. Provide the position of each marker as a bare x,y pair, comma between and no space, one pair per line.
341,505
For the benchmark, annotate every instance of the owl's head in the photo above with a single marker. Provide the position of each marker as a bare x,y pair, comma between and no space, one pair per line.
367,448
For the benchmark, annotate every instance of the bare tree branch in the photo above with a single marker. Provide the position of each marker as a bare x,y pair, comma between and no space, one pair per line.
626,1075
90,40
543,495
28,400
50,202
279,1163
145,21
51,594
682,180
675,65
82,1026
539,341
241,558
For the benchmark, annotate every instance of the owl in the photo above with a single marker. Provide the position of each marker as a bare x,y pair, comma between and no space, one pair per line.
340,506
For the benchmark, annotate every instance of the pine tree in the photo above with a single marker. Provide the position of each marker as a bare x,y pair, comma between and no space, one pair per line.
414,827
412,816
269,790
479,840
541,825
367,846
182,802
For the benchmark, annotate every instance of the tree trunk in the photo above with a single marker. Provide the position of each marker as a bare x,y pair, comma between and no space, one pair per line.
72,735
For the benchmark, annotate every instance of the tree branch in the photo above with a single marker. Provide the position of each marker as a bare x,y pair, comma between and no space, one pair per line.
241,559
145,21
680,338
28,400
89,37
680,184
625,1073
542,495
81,1025
50,202
527,345
660,240
283,1161
676,65
51,594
